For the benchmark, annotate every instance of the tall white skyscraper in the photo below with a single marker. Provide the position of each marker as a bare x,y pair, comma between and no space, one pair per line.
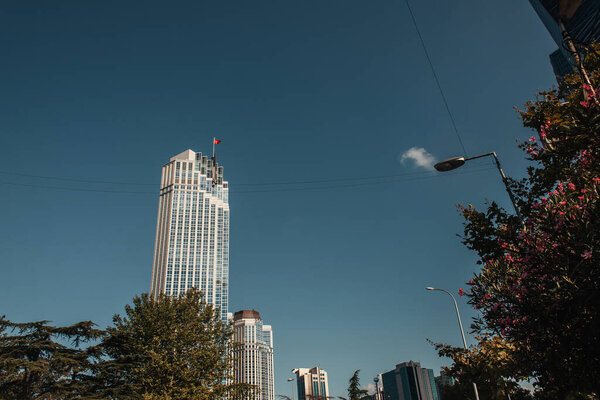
192,233
312,383
254,356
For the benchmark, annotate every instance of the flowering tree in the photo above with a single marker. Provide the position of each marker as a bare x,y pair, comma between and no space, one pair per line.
538,290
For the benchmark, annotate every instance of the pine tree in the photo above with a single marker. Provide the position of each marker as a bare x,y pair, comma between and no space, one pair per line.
354,390
34,365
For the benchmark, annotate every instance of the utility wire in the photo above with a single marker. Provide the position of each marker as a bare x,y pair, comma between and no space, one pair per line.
58,178
280,183
72,189
386,180
409,179
437,81
299,182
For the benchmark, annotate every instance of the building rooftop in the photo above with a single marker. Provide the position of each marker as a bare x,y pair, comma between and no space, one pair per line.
246,314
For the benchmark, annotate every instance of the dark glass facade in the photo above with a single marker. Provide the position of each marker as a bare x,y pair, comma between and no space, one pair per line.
583,26
408,381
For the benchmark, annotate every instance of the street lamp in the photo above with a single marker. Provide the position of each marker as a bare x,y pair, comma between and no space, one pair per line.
376,380
291,380
462,332
456,162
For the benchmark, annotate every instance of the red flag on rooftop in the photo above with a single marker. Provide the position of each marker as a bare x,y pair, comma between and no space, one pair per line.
217,141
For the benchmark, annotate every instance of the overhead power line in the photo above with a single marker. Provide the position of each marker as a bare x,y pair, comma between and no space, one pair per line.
437,81
60,178
283,186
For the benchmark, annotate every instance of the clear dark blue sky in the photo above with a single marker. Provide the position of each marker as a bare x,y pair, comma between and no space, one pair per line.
310,90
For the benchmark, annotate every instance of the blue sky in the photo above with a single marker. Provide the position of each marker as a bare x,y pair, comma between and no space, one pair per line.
297,91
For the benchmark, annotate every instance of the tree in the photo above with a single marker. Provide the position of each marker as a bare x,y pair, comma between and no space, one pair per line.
354,390
490,364
539,285
168,348
33,365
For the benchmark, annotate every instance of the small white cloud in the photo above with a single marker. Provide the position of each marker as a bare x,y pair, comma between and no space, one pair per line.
370,387
419,156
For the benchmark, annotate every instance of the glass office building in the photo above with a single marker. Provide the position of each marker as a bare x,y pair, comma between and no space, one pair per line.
583,26
192,232
408,381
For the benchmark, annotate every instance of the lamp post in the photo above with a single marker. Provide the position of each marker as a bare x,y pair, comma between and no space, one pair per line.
456,162
376,380
462,332
291,380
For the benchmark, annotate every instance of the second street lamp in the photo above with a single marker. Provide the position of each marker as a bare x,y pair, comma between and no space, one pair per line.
291,380
456,162
462,332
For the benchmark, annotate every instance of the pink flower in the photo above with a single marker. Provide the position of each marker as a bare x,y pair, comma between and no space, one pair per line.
461,292
596,180
586,255
543,130
571,186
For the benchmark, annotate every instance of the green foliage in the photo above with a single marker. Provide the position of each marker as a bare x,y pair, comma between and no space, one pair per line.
490,364
169,348
33,365
539,287
354,390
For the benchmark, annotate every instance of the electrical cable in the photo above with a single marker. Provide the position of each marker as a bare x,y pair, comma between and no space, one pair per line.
58,178
299,182
437,81
383,180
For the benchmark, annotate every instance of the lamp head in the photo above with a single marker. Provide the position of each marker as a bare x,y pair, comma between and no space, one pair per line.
290,379
429,288
449,164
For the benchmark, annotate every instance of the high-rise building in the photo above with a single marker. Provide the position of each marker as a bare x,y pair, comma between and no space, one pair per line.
192,233
254,354
443,380
581,21
312,383
408,381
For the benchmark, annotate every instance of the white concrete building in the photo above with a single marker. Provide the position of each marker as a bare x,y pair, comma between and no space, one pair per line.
254,354
312,383
192,233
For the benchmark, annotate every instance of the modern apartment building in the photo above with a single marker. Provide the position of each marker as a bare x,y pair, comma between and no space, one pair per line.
253,353
312,383
192,232
408,381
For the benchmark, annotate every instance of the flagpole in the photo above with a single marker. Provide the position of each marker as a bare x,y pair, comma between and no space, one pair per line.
213,155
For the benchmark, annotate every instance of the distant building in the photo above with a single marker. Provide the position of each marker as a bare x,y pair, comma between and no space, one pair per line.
408,381
254,357
581,22
312,383
443,380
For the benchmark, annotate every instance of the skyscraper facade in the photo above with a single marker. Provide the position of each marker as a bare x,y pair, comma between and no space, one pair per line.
192,232
312,383
254,354
408,381
580,20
